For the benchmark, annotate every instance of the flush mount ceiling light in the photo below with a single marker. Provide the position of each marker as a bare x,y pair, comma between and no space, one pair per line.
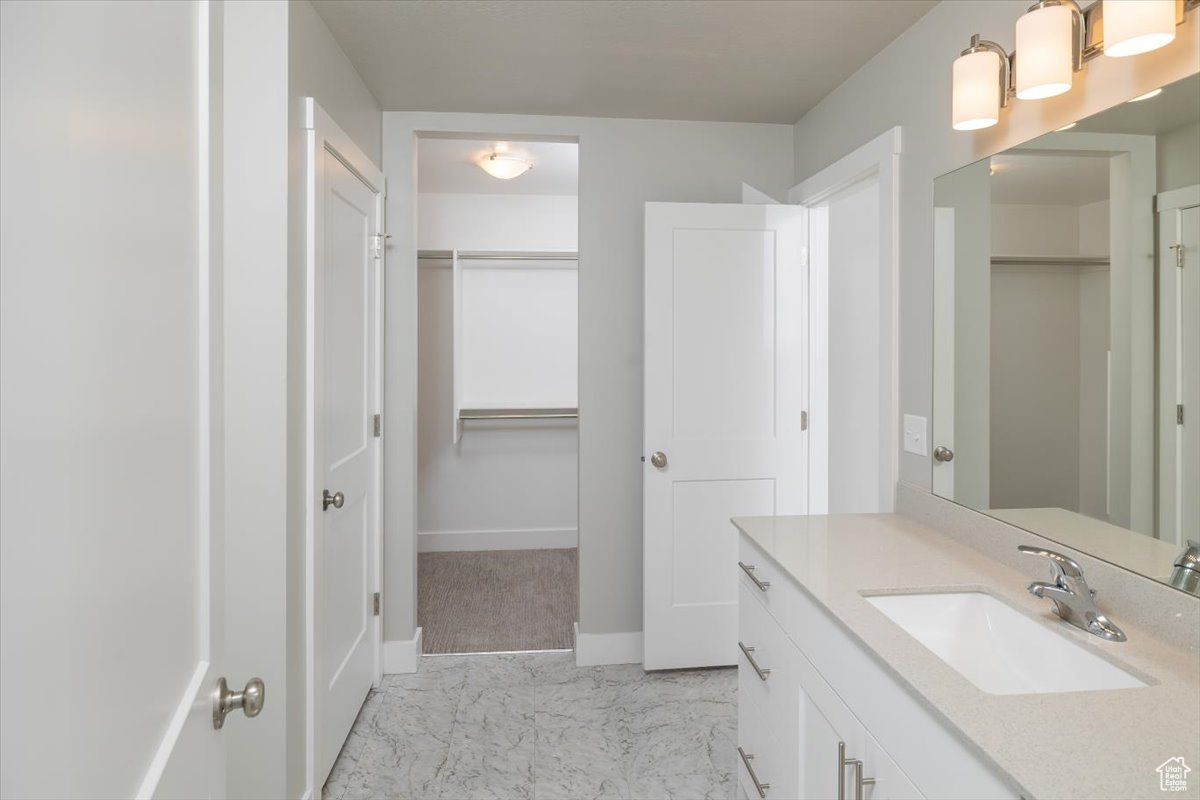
505,166
1056,38
1066,127
1146,96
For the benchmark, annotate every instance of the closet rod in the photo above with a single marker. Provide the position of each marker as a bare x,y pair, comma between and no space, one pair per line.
498,256
1077,261
518,413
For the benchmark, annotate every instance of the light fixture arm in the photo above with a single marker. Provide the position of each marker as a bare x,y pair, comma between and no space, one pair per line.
1008,88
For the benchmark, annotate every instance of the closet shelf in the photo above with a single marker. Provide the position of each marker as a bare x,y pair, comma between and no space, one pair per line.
497,255
517,413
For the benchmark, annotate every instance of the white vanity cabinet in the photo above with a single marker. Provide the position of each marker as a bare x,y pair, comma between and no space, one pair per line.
800,732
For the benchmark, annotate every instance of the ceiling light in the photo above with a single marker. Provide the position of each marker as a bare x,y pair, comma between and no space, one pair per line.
1132,27
981,80
1066,127
505,166
1045,40
1146,96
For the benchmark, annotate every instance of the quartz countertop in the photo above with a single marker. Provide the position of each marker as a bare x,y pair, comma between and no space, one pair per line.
1094,744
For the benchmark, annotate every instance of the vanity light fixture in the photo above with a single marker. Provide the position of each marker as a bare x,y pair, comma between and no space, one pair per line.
1056,38
1047,39
1132,27
505,166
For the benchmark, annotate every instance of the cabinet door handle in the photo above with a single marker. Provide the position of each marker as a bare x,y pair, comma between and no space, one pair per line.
749,570
763,674
746,759
859,780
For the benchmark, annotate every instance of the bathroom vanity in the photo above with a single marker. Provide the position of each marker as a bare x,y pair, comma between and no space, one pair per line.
837,697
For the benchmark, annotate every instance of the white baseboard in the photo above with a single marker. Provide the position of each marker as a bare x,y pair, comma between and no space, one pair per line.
532,539
401,656
595,649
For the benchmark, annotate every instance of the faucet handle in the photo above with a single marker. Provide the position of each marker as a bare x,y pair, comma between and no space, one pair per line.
1064,566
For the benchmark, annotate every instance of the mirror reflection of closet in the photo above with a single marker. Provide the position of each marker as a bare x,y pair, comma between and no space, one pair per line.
1067,352
497,461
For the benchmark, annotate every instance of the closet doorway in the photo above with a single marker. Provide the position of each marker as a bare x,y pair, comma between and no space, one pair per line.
497,460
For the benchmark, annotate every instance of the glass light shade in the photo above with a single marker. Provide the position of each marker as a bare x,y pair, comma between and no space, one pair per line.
976,99
505,167
1044,60
1132,27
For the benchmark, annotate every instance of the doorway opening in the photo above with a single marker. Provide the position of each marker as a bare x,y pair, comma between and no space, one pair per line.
497,408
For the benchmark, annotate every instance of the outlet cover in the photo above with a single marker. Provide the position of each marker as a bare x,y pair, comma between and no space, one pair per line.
915,440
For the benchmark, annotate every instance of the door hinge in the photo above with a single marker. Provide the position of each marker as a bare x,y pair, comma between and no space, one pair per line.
378,240
1178,248
1179,414
803,420
377,425
375,604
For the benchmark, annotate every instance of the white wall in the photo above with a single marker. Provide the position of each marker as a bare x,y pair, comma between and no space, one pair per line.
315,67
1178,159
498,222
623,163
908,84
503,485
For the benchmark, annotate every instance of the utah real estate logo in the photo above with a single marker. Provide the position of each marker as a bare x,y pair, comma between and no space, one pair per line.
1172,775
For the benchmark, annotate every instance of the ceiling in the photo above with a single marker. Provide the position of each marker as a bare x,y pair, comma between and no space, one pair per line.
733,60
1177,106
449,165
1049,180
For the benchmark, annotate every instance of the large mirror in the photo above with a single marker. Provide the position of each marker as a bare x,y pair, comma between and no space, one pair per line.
1067,335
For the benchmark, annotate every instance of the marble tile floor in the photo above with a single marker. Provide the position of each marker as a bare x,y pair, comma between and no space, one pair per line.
536,727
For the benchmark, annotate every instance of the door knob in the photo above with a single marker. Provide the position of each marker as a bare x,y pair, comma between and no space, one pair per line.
249,700
658,458
337,500
943,454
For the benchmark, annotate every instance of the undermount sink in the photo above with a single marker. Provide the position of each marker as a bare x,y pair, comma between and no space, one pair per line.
998,648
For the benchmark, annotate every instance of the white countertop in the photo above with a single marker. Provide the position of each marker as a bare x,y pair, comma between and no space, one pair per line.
1097,744
1143,554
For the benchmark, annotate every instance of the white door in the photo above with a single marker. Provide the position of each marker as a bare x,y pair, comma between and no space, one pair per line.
725,361
110,538
345,497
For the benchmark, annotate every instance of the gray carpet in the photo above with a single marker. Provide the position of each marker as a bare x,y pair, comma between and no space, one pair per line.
497,601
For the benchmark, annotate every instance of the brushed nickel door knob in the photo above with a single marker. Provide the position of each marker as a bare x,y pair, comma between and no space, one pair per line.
250,700
943,454
337,500
658,458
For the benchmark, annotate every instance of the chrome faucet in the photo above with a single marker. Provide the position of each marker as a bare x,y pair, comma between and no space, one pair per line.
1073,600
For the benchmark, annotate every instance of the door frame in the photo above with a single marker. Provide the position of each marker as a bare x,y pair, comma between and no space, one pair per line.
1169,206
876,161
323,134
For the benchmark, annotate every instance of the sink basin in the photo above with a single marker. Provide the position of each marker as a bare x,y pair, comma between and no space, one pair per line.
998,648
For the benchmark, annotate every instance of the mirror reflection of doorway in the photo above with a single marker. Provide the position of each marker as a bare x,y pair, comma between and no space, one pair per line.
497,463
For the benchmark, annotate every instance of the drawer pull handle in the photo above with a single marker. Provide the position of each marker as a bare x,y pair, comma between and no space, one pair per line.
746,759
859,780
763,674
749,570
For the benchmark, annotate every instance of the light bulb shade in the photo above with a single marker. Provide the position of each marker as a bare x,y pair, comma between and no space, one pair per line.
1132,27
504,166
1045,63
976,98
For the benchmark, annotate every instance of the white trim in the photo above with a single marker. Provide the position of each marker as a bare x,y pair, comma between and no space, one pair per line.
401,656
878,160
325,134
1185,197
598,649
464,541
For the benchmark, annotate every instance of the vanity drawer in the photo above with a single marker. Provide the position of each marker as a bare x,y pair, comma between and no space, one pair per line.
767,719
766,583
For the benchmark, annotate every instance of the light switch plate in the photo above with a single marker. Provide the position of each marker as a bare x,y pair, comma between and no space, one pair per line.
915,441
